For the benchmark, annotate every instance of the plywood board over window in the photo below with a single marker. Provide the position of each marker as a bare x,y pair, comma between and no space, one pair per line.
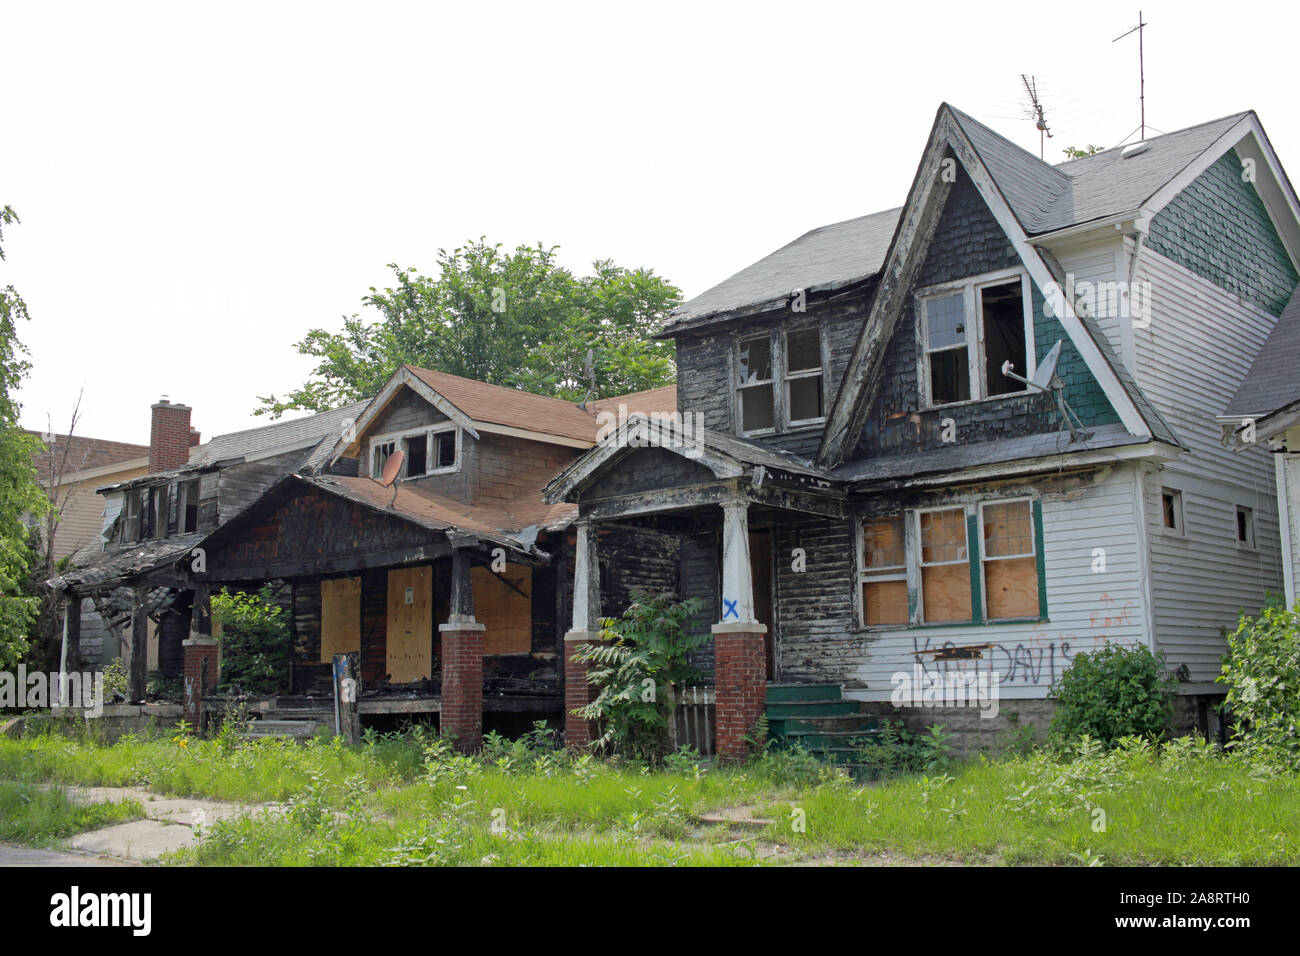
1010,564
410,624
503,604
340,617
945,566
884,572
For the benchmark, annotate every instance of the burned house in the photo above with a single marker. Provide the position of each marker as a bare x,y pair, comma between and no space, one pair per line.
973,434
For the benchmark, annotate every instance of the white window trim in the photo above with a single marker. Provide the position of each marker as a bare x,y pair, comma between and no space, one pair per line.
787,376
1252,539
1180,506
742,386
984,550
865,574
970,289
427,432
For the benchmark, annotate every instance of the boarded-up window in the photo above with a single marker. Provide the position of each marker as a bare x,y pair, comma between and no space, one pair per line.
884,572
503,604
340,617
410,624
1010,564
945,566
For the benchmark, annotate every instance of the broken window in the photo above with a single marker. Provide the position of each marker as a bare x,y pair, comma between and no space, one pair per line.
757,406
131,516
884,572
187,507
803,372
1245,526
945,566
1002,309
444,450
417,455
161,501
380,452
1171,509
1010,563
947,350
969,331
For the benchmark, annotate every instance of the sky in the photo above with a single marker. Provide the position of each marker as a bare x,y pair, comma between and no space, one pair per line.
201,184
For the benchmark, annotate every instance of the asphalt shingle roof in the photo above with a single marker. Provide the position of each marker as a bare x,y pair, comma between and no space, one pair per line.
1273,381
298,433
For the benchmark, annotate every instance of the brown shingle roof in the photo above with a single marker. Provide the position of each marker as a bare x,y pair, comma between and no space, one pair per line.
83,453
541,413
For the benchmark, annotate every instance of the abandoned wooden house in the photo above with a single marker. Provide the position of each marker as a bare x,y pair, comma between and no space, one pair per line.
975,434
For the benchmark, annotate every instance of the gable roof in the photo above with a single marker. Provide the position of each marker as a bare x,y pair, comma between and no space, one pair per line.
275,438
1042,197
83,454
926,200
1273,381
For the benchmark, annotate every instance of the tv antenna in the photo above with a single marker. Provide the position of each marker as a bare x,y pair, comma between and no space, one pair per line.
1036,111
1142,79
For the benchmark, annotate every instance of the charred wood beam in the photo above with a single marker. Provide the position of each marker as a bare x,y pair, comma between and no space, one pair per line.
372,560
462,588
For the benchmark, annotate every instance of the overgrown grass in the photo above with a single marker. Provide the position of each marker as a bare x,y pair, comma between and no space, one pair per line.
411,800
40,817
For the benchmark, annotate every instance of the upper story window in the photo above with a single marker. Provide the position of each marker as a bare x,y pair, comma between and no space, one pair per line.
131,515
187,507
779,381
967,330
427,451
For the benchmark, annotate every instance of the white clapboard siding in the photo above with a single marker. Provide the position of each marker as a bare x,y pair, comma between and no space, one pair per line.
1202,579
1086,610
1104,261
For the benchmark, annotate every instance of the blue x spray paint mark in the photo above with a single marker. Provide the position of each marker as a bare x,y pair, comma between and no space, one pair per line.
729,609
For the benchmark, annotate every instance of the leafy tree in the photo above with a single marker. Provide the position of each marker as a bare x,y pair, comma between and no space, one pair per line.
637,669
516,319
21,497
255,640
1078,152
1262,671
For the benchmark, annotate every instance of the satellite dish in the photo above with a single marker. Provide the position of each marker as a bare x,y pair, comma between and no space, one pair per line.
392,467
1047,368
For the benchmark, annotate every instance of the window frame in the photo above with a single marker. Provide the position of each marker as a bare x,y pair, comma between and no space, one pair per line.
972,513
399,439
866,575
971,291
1249,543
741,386
1180,513
788,376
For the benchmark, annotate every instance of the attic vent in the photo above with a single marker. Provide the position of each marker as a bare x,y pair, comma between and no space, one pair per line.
1133,150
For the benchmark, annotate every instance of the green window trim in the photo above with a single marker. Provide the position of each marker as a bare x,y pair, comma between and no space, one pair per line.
973,551
1042,561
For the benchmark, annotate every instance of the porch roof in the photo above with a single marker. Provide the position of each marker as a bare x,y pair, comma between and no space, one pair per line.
108,569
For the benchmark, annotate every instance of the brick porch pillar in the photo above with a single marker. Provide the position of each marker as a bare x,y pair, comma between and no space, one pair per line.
201,658
579,733
739,652
462,662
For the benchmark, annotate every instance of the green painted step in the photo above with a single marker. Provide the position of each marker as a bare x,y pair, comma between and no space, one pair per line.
790,693
811,708
830,741
858,722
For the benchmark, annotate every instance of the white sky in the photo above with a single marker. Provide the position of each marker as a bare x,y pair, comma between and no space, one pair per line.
201,186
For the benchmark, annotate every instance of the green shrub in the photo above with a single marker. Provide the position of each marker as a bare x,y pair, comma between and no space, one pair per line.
1112,693
1262,671
254,640
896,750
637,672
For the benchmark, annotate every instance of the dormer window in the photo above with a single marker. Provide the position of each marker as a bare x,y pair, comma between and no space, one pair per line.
967,331
757,398
426,451
779,381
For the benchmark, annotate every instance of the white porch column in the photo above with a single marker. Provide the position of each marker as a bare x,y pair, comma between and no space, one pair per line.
737,580
586,580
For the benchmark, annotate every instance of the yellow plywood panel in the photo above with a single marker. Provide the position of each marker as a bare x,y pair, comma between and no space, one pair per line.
946,593
885,602
340,617
505,611
410,625
1012,587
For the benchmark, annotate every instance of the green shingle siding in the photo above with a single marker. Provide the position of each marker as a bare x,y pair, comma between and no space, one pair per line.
1083,393
1219,229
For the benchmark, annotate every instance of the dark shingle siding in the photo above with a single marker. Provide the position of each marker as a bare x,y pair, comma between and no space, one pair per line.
1219,229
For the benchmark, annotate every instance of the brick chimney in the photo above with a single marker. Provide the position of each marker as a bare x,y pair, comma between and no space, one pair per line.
170,436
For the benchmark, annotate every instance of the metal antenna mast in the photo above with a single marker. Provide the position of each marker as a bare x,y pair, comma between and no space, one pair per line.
1036,111
1142,78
